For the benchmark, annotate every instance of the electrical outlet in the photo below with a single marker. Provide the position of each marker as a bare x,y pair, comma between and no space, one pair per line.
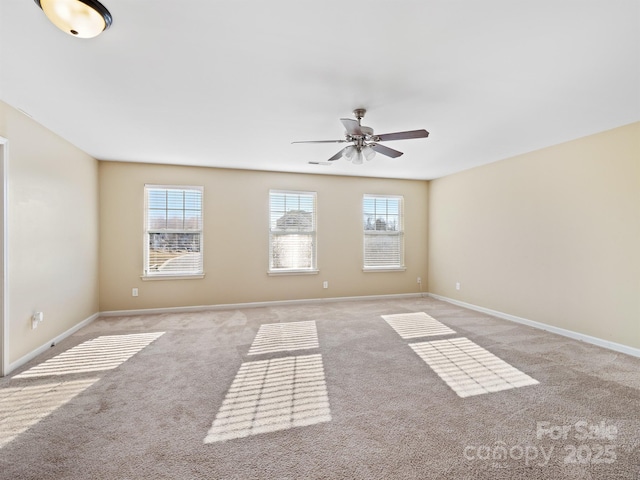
36,318
457,285
419,280
325,284
134,292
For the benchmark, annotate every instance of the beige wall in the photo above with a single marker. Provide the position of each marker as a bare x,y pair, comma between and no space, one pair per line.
552,236
236,237
52,233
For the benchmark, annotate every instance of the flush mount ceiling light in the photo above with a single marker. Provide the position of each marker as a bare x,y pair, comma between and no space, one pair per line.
80,18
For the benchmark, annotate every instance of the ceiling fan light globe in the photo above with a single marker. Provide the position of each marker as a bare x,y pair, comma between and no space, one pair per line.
349,152
368,152
357,159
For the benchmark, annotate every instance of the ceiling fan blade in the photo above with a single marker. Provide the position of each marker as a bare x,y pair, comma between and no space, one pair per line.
338,155
351,126
321,141
389,152
403,135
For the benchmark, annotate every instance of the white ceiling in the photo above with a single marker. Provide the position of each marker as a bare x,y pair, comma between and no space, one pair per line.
233,83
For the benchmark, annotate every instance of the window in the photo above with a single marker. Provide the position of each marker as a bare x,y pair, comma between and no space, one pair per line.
173,231
292,232
383,232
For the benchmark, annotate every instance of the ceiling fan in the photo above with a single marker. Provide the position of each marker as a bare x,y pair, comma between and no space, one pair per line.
364,143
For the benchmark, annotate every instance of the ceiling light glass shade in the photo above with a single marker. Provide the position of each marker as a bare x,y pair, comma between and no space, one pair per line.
80,18
357,159
368,152
349,152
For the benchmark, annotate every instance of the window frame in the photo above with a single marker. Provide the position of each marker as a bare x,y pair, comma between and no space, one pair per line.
400,267
313,269
148,274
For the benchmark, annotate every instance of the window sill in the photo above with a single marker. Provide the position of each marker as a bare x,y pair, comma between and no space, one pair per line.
276,273
195,276
384,269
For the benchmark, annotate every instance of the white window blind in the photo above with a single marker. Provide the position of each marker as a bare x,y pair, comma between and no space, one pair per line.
292,231
173,231
383,225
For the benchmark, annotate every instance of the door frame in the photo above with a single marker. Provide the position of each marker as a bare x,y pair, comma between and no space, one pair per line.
4,317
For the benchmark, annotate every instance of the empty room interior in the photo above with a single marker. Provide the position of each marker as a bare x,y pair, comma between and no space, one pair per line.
339,240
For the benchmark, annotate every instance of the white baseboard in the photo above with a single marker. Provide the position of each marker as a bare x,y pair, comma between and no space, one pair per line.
43,348
149,311
618,347
231,306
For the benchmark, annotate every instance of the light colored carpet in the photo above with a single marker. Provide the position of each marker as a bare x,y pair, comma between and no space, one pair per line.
416,325
338,394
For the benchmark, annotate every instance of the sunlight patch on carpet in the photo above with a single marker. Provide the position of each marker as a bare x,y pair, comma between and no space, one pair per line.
281,337
102,353
23,407
418,324
468,368
271,395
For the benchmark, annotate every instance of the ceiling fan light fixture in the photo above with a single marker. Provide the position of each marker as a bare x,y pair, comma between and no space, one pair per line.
349,152
368,152
79,18
357,159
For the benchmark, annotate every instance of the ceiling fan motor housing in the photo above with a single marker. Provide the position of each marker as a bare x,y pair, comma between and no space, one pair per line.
359,113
